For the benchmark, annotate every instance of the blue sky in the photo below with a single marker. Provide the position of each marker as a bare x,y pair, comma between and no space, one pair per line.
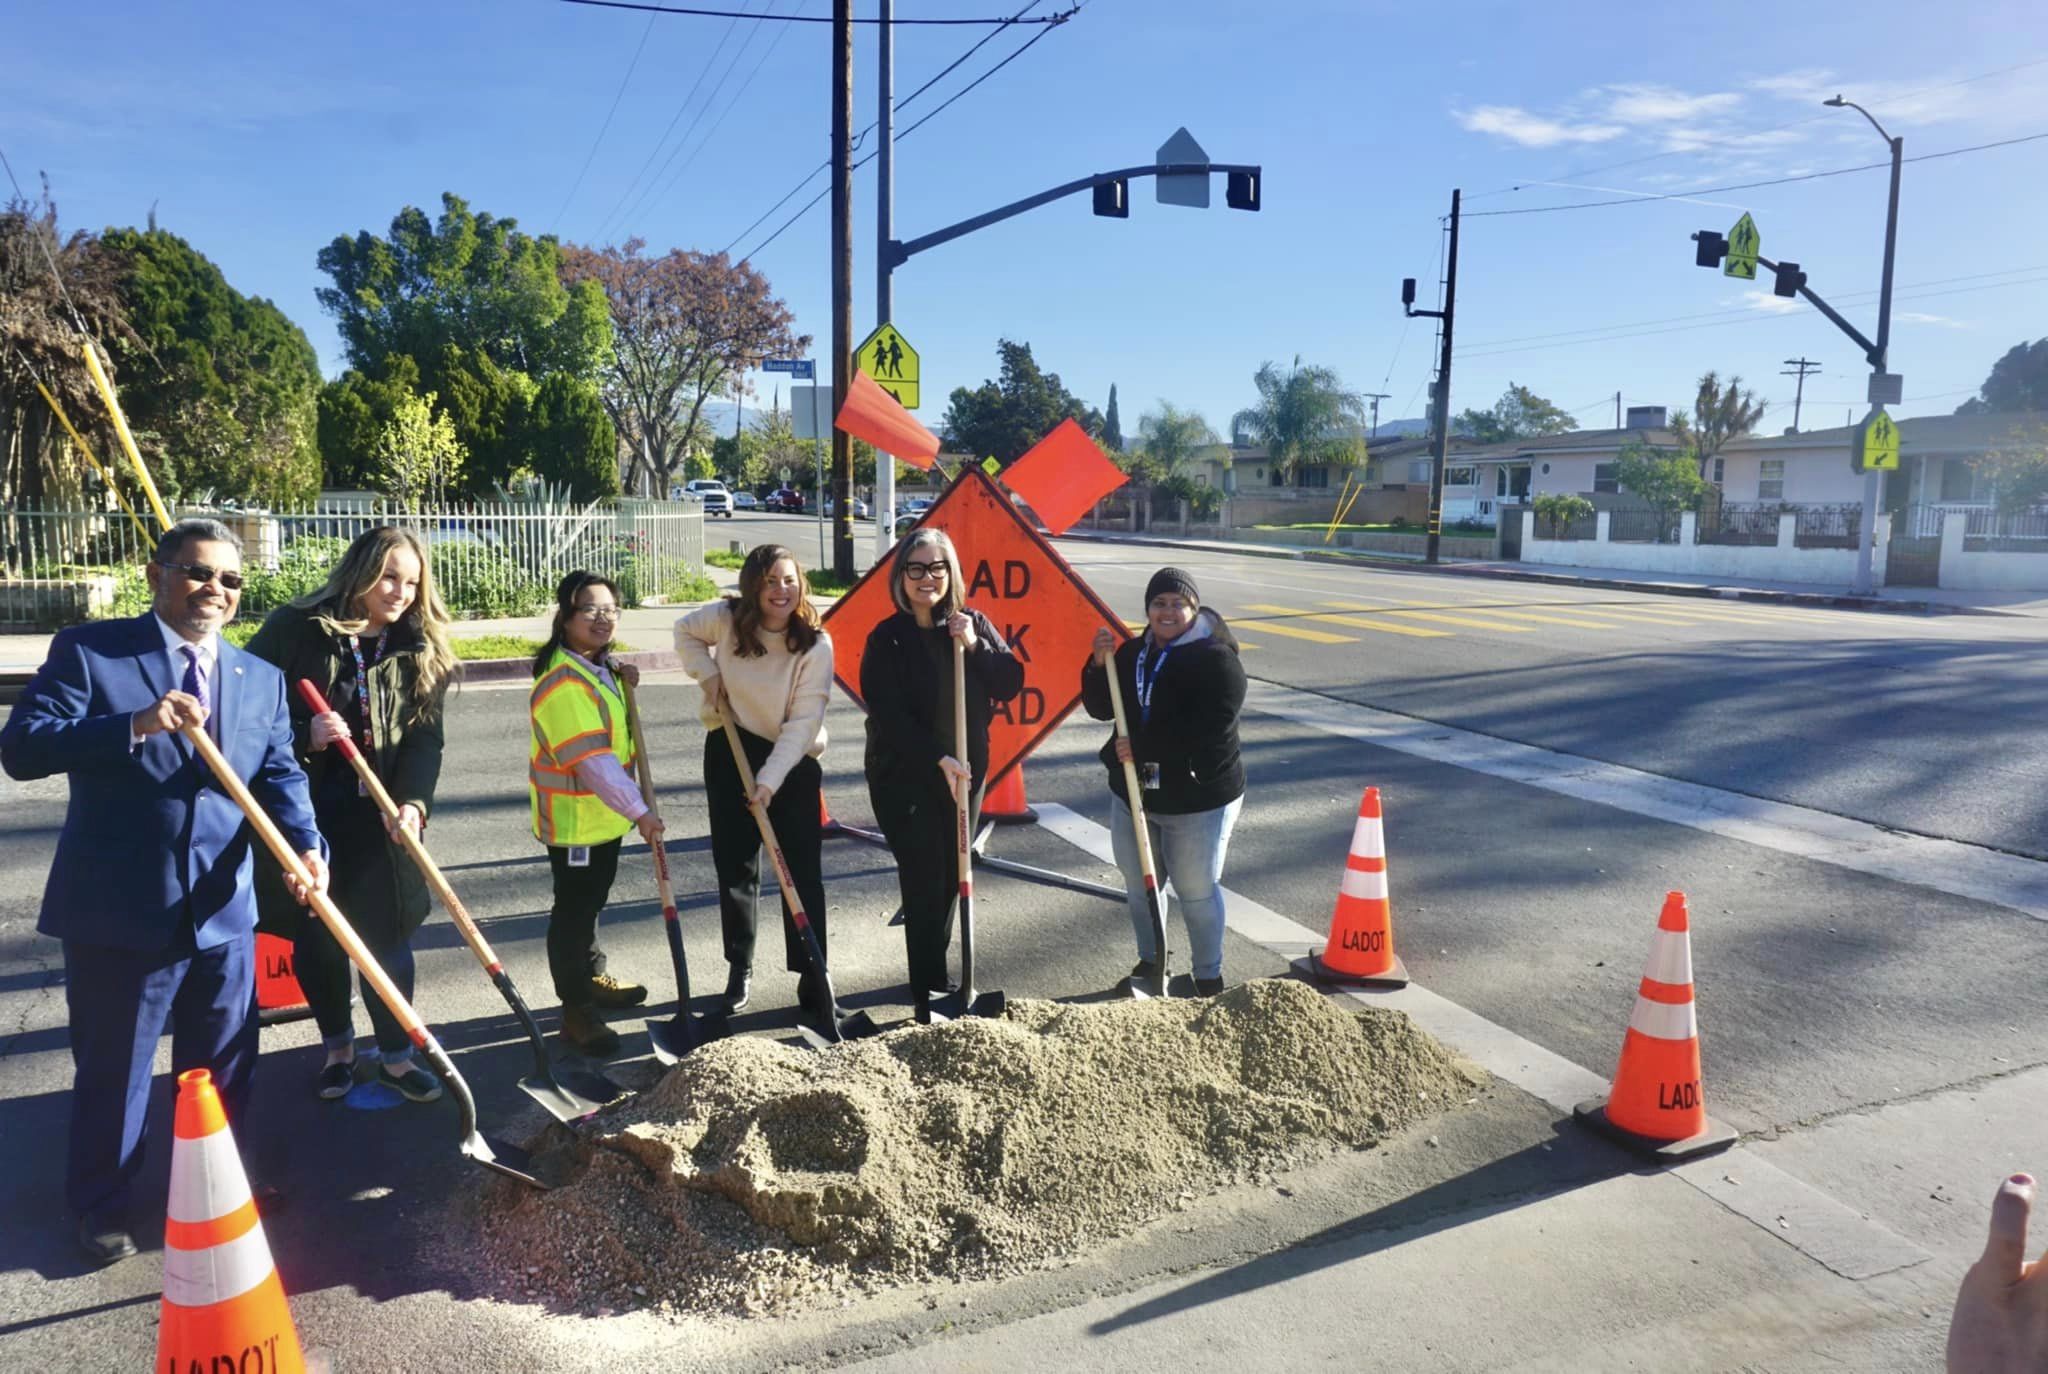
259,132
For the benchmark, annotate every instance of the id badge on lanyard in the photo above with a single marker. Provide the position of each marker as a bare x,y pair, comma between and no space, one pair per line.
1148,773
355,649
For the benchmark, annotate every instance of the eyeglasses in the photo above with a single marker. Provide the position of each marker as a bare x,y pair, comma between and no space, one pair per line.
918,572
607,614
199,574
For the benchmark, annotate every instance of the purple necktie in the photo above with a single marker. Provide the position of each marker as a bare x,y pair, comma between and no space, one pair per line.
194,685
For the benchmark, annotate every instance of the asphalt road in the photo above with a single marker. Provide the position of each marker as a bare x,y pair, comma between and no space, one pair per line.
1881,1040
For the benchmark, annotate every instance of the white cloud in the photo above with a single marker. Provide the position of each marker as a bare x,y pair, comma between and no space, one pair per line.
1918,317
1768,303
1694,140
1661,104
1799,84
1532,130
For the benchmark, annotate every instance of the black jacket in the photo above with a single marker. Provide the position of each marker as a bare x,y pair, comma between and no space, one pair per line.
909,695
1191,731
406,759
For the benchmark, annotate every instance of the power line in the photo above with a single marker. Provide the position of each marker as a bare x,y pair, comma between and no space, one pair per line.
604,128
1647,197
1019,52
1052,20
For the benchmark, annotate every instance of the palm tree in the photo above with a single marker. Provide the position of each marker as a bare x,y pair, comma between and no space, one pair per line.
1171,437
1298,415
1719,413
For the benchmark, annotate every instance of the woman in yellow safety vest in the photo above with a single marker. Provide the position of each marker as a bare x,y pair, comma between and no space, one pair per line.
584,798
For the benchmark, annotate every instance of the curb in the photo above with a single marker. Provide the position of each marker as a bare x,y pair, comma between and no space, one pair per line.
1835,600
518,669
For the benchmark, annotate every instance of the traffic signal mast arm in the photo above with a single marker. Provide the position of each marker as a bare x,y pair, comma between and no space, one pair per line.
1871,352
1244,187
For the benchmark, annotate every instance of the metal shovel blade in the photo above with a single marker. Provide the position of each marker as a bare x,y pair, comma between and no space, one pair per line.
568,1104
858,1026
967,1002
683,1032
509,1160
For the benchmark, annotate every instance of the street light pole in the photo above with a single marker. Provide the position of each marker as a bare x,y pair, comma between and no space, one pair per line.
1880,354
885,230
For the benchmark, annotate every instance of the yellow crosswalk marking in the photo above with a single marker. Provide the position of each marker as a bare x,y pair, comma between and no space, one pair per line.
1552,618
1683,615
1269,627
1470,622
1352,622
1488,609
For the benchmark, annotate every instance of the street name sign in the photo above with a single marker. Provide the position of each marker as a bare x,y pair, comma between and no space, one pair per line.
804,368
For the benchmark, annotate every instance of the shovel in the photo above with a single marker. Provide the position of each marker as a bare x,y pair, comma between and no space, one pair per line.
509,1160
860,1024
1144,837
567,1094
685,1031
965,1002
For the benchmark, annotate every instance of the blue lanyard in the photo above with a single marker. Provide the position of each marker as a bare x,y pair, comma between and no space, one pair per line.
1147,681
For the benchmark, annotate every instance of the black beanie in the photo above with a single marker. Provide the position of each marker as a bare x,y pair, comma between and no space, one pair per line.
1172,580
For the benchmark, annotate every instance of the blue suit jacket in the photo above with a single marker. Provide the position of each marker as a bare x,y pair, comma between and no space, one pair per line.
151,844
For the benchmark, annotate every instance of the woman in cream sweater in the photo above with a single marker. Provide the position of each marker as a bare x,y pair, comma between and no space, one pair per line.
763,655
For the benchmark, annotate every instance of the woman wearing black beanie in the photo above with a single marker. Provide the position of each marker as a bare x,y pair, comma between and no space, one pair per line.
1183,690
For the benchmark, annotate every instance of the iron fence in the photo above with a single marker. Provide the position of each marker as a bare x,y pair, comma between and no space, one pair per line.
1642,525
1826,527
1745,523
489,558
1583,527
1994,531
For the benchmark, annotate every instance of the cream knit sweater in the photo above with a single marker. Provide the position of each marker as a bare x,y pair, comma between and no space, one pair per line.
777,695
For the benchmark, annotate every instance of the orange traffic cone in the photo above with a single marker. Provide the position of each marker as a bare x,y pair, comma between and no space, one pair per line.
1361,948
1656,1106
223,1304
1004,802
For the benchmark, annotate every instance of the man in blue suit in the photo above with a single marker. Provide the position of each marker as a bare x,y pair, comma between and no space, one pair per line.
150,890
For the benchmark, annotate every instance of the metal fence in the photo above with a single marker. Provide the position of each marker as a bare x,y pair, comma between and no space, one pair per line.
1826,527
489,558
1994,531
1584,527
1732,523
1642,525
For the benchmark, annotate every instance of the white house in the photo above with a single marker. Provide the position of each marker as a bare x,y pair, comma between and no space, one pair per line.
1937,468
1480,479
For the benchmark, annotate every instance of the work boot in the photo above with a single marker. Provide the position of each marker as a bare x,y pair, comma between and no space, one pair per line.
1144,976
587,1033
1208,987
739,983
607,991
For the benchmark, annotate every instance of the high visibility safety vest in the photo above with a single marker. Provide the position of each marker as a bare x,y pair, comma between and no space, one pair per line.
574,716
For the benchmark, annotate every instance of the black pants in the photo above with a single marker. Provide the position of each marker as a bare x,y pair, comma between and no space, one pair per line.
917,819
365,887
736,847
580,893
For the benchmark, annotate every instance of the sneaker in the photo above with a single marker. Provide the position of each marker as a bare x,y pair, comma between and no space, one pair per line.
587,1034
1208,987
415,1084
607,991
1143,974
336,1079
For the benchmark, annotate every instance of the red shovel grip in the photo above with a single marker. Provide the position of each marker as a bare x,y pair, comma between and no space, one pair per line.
311,695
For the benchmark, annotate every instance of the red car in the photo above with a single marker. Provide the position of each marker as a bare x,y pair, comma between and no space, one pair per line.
787,499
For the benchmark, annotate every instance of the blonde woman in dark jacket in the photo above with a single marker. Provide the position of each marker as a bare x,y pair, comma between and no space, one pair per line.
374,640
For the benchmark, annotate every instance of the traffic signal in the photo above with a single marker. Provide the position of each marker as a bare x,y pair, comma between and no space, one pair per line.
1789,280
1408,291
1113,198
1711,248
1242,190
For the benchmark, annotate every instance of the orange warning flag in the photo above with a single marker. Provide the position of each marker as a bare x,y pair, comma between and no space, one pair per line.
1361,948
1063,476
223,1304
1656,1104
872,414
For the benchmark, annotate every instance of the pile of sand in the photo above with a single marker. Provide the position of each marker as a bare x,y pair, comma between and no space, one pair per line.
756,1175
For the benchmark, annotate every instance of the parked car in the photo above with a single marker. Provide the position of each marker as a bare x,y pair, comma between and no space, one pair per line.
786,499
860,508
745,500
717,500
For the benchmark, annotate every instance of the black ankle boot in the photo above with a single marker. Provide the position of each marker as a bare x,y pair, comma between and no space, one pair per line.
810,995
739,983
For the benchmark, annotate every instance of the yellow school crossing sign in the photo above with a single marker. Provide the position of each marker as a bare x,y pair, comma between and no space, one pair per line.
1743,245
1877,443
888,357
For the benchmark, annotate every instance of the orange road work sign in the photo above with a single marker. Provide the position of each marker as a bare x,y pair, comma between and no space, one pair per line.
1039,605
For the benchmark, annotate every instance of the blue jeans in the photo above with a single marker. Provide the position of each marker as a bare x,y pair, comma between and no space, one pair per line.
1189,850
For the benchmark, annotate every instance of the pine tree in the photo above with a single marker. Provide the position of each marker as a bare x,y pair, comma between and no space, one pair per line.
1112,427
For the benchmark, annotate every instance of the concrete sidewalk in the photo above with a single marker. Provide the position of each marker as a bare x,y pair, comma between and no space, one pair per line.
1914,600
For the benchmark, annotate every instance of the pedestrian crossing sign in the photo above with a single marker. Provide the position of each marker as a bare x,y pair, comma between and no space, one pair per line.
1877,443
888,358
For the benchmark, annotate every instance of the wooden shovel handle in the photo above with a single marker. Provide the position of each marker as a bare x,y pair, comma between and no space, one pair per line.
1123,732
644,771
962,797
323,906
782,874
410,842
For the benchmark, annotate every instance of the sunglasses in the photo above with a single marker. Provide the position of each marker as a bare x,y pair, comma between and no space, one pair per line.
199,574
918,572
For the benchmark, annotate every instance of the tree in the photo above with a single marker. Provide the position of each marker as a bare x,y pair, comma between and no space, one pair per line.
686,327
491,408
1112,425
1004,417
2018,382
417,456
1172,437
1519,414
572,439
1299,415
2018,470
221,388
1719,413
469,279
1668,483
354,409
41,342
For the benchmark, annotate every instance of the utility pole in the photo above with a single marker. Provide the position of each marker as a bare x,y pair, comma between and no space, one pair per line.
1804,368
1617,410
842,280
885,229
1440,410
1883,385
1376,397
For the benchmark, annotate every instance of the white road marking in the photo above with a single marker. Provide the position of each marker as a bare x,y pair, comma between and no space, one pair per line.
1962,870
1802,1216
